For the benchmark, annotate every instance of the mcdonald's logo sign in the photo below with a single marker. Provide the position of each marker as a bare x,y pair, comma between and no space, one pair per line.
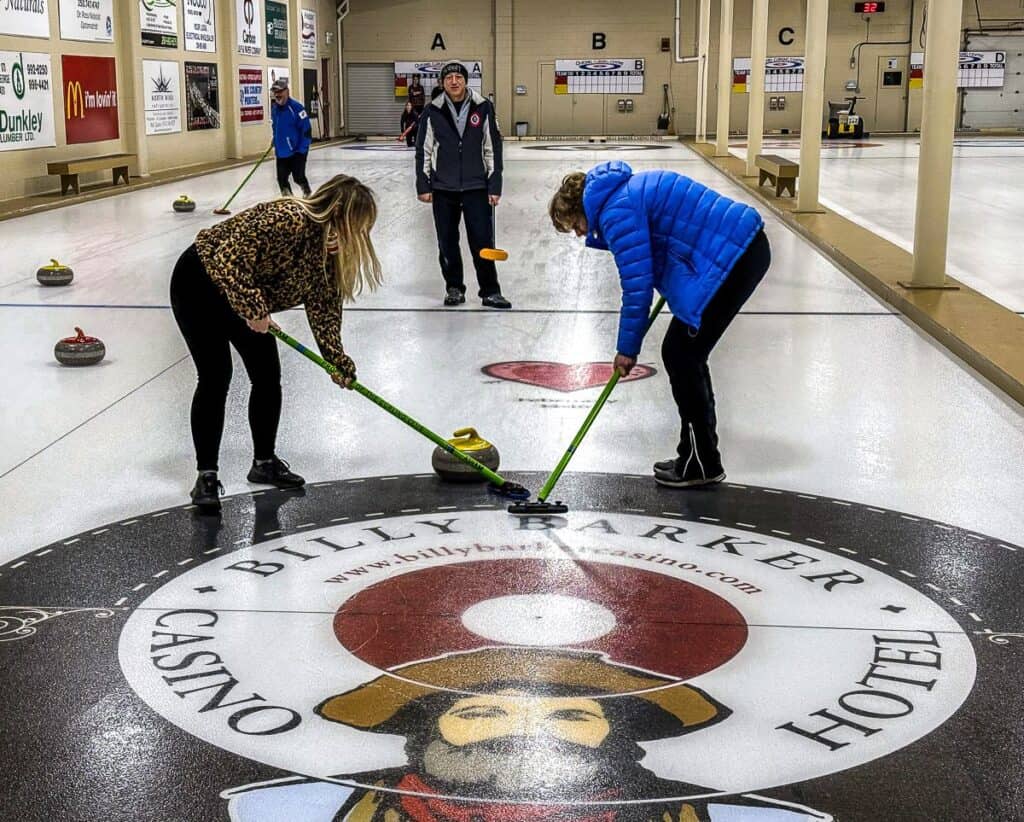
74,101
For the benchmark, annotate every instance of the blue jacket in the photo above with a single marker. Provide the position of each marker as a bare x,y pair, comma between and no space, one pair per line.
667,232
292,131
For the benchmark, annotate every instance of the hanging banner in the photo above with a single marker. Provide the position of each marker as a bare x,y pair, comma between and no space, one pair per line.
600,76
248,36
90,98
159,23
277,30
250,94
162,93
26,101
782,75
308,34
202,96
978,69
430,71
200,26
88,20
25,18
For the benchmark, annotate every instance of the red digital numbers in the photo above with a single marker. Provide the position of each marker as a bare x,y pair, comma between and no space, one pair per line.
868,8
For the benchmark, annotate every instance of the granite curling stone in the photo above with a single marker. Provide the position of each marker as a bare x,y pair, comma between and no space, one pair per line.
184,203
55,274
79,350
451,469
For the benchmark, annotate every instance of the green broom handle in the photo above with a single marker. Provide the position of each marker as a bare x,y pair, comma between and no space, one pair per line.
542,495
247,176
493,477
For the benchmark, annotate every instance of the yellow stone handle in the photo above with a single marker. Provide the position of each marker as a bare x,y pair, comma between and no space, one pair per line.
469,433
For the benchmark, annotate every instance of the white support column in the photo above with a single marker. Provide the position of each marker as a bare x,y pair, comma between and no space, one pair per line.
935,166
130,54
813,100
702,71
758,55
231,119
724,79
296,80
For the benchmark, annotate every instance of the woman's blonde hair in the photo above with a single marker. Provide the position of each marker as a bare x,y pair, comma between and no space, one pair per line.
346,208
566,207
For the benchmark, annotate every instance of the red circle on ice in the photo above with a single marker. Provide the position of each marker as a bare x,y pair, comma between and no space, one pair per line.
661,624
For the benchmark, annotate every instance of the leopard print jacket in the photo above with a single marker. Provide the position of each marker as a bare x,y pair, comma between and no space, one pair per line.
271,257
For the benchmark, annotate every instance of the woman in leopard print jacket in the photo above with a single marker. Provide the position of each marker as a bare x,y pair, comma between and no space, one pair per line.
314,252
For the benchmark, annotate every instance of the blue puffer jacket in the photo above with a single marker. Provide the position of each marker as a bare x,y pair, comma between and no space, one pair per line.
292,131
669,233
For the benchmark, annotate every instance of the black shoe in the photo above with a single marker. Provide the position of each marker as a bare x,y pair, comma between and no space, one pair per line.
274,472
206,493
665,465
286,191
692,475
496,301
454,296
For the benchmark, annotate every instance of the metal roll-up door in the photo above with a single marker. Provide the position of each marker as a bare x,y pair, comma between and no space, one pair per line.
370,99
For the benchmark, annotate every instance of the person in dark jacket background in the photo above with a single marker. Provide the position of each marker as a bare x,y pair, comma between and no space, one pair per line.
292,137
458,170
417,96
704,253
409,118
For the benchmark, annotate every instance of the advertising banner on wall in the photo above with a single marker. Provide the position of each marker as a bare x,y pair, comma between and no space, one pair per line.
26,101
202,96
27,18
277,30
90,98
88,20
250,94
159,23
308,34
276,73
162,93
200,26
248,35
429,72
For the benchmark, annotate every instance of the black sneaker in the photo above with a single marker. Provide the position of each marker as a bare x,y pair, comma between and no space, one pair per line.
274,472
694,474
665,465
496,301
206,493
454,296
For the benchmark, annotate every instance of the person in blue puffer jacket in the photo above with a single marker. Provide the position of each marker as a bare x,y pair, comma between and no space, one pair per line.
704,253
292,138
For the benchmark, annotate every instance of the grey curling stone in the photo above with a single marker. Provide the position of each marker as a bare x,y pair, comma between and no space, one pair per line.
79,350
452,469
55,274
184,203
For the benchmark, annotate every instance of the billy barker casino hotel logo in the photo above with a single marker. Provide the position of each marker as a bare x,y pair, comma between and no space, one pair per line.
395,652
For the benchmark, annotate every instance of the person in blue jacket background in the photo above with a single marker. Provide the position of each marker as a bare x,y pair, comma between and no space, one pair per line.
704,253
292,137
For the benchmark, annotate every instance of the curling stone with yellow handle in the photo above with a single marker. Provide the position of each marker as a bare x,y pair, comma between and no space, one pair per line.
184,203
55,274
451,469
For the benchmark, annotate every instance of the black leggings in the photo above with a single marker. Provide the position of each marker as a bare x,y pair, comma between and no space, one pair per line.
686,356
209,327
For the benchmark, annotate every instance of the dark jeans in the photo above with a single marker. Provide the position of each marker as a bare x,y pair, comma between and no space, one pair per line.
686,356
294,165
210,327
449,207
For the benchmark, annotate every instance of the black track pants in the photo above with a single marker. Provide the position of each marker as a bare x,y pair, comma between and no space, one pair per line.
296,167
449,207
686,356
210,327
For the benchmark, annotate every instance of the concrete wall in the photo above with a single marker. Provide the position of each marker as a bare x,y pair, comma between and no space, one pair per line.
25,170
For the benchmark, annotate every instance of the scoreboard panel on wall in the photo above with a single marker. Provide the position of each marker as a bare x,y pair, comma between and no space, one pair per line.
430,70
604,76
782,75
978,69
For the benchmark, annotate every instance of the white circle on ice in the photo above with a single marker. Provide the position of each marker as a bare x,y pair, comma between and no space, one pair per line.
538,619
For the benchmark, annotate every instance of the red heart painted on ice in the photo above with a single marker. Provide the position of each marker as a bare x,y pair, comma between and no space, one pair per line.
562,376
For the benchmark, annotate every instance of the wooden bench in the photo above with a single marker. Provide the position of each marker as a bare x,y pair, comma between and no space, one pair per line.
70,169
779,171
